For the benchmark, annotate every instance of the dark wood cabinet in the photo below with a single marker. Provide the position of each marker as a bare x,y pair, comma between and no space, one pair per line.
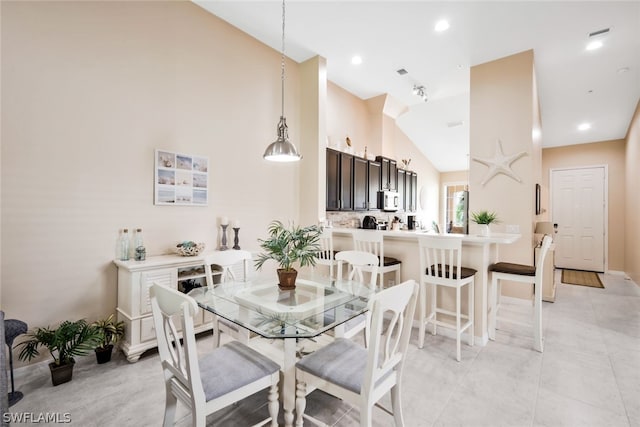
352,182
333,180
389,174
346,182
407,191
360,184
414,192
401,191
393,175
374,184
339,181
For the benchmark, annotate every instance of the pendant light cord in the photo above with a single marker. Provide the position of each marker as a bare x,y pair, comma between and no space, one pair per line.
282,64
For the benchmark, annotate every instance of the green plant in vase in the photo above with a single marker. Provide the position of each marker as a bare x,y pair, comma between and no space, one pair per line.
484,219
289,246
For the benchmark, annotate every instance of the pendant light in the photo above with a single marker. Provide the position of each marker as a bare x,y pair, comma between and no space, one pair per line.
282,150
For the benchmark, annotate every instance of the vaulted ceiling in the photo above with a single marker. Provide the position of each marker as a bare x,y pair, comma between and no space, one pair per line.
575,85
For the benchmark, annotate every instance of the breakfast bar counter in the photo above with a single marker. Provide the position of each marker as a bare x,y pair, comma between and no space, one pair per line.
478,252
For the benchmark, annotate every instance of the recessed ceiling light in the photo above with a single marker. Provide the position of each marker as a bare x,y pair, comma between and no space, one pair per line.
356,60
442,25
593,45
584,126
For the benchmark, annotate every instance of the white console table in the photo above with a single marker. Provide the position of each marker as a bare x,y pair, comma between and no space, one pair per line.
134,305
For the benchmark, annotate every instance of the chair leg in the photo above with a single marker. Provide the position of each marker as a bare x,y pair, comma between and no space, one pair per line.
471,312
216,332
396,405
458,333
301,402
171,402
274,405
434,305
366,415
537,320
422,314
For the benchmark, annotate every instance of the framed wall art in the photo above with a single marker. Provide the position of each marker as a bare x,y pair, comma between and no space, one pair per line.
181,179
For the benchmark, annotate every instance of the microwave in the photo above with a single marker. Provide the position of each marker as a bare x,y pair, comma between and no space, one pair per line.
388,200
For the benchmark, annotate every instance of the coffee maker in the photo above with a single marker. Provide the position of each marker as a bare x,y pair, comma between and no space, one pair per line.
411,222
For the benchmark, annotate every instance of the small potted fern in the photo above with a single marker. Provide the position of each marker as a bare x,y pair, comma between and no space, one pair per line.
484,219
64,343
288,246
110,333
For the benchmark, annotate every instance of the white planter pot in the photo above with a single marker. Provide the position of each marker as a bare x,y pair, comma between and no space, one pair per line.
484,230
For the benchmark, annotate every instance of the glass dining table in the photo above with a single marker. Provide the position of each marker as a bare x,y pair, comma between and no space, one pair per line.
318,304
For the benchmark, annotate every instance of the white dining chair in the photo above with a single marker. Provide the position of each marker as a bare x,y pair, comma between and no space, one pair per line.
373,241
358,264
228,261
220,378
326,254
526,275
362,376
441,265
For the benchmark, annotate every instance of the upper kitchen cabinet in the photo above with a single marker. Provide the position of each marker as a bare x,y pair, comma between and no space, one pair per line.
375,170
389,174
352,182
407,191
411,191
360,184
339,181
401,190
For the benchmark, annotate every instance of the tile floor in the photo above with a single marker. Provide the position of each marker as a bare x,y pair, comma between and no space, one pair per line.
589,375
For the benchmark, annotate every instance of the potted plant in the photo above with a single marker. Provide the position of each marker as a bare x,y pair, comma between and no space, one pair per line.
483,219
110,333
288,246
67,341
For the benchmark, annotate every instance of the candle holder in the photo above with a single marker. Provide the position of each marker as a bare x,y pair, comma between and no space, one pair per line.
235,238
223,244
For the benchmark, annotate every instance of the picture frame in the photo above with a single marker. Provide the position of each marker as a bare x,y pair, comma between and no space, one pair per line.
181,179
538,196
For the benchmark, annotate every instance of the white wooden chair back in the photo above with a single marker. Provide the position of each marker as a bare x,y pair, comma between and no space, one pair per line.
369,241
227,260
179,359
359,262
440,256
325,256
389,338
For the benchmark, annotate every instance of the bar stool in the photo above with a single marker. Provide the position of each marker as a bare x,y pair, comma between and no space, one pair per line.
326,255
372,241
441,265
13,328
520,273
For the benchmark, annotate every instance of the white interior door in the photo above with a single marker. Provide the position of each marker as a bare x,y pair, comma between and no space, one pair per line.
578,209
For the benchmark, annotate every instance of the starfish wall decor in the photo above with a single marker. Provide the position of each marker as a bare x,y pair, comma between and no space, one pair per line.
500,164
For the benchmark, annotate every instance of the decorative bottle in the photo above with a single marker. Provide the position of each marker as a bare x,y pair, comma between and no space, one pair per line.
123,245
139,251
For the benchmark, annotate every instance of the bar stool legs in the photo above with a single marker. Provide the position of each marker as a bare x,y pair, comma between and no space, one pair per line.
13,328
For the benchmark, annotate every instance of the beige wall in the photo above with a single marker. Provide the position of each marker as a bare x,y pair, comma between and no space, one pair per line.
92,89
610,153
347,115
632,199
502,108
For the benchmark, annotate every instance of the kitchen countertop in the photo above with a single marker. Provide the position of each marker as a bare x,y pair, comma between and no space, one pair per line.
504,238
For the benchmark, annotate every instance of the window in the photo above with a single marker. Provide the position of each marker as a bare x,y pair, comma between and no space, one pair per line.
456,208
